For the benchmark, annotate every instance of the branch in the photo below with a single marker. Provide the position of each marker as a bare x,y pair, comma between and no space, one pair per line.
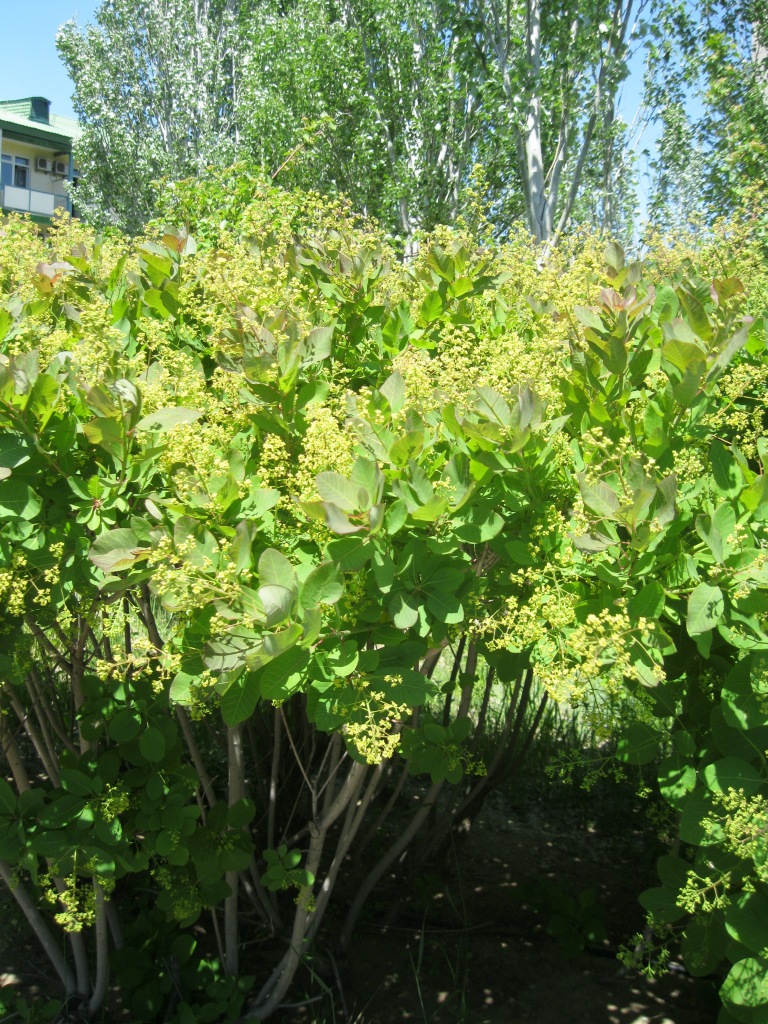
41,930
376,872
615,41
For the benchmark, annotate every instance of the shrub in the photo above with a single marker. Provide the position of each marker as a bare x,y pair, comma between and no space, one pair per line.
251,493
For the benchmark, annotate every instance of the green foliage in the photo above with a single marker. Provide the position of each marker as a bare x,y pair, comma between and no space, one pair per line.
576,922
705,83
420,113
249,480
155,93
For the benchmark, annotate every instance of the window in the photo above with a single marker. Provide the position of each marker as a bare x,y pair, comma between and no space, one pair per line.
14,170
21,172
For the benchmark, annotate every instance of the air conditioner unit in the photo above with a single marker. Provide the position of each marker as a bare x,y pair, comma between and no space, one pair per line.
60,167
43,165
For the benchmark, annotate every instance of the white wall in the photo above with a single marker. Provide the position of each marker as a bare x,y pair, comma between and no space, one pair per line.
37,180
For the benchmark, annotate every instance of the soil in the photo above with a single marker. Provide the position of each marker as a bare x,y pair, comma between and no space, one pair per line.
472,947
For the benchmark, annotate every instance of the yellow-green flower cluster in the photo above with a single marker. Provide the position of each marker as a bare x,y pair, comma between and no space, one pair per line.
328,445
741,825
76,898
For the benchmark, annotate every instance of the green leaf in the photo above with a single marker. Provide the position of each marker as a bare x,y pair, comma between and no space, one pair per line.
697,315
18,500
733,773
746,920
405,686
661,902
284,674
434,733
445,607
478,524
276,570
14,450
599,497
344,659
337,489
319,343
395,517
756,494
647,603
519,552
116,550
431,307
684,356
239,700
461,286
492,406
677,778
589,318
152,744
338,521
725,469
166,419
695,820
404,610
241,813
393,390
324,585
431,510
78,783
703,945
407,447
277,602
107,433
746,985
366,475
227,653
614,256
705,609
180,692
42,399
278,643
125,726
349,553
638,744
666,304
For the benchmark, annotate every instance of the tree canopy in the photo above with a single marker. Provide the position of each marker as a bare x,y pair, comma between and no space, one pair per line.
391,104
262,543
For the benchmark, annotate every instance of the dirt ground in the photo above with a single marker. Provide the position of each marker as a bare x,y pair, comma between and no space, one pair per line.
471,946
475,950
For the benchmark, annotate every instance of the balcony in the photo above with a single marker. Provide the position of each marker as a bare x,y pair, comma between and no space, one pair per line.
29,200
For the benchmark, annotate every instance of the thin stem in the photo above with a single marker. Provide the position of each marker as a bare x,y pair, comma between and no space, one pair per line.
40,928
194,753
273,777
43,753
355,815
236,792
48,647
12,755
279,981
310,787
377,871
102,952
51,711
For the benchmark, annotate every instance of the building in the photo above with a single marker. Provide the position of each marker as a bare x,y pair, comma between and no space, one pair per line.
35,158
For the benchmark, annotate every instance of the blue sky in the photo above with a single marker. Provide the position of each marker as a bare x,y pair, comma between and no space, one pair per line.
29,63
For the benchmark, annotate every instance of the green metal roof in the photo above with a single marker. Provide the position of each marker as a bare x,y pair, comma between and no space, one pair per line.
19,116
